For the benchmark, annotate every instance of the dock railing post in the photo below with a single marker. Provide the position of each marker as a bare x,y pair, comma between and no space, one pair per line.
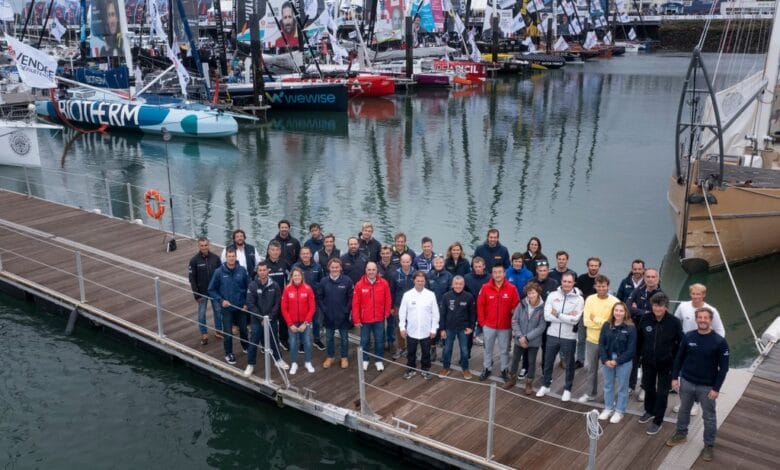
108,197
1,262
27,181
80,274
130,202
158,304
592,423
361,382
192,216
267,347
491,421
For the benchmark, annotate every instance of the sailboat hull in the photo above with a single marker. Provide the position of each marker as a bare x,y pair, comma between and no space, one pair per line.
141,117
747,220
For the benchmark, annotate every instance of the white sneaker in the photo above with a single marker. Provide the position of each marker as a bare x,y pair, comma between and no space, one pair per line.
283,364
695,409
248,371
309,367
379,366
676,409
566,396
641,396
542,391
605,415
365,365
294,368
585,398
616,418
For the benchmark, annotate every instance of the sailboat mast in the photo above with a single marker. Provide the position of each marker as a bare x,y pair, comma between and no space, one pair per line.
770,74
191,40
45,22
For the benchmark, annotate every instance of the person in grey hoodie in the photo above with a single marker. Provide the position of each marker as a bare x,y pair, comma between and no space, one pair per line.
528,325
563,310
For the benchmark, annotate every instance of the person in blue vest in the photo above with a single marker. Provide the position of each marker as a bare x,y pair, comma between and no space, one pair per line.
492,251
335,302
228,287
438,280
402,281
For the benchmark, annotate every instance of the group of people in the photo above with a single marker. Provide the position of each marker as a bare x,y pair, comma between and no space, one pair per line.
403,301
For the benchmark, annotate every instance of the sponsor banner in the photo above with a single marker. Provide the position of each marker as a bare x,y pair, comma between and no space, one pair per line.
114,78
19,147
36,69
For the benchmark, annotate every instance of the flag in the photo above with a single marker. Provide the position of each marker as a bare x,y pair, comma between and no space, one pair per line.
338,51
310,8
504,4
608,38
531,7
6,10
543,26
560,44
459,26
590,40
568,8
517,23
574,26
540,4
446,5
155,23
56,28
529,43
36,69
631,34
623,18
476,56
184,77
487,21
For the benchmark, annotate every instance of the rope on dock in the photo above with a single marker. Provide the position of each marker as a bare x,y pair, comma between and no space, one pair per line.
757,341
481,420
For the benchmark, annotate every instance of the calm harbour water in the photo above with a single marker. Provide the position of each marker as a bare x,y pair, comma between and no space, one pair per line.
579,157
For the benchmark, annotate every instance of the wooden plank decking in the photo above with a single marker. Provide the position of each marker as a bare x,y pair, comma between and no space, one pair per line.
38,240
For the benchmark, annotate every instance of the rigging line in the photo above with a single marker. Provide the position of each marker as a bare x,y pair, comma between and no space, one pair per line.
758,344
771,196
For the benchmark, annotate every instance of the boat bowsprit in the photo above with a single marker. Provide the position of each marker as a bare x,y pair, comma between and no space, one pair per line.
180,119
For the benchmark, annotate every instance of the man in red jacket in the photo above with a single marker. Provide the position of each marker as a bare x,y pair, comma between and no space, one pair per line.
371,303
495,304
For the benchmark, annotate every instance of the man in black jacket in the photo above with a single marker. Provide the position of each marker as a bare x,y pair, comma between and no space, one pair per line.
290,246
659,335
458,317
246,255
263,299
201,268
335,302
327,252
368,245
639,304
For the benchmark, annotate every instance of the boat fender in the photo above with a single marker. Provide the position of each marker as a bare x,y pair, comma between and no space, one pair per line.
699,199
279,400
152,198
772,334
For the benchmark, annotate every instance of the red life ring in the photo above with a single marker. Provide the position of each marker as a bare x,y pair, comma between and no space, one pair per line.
150,195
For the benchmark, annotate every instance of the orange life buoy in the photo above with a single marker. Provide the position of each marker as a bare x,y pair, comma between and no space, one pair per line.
150,195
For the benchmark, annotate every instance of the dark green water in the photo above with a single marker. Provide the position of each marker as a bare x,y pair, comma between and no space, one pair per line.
91,401
579,157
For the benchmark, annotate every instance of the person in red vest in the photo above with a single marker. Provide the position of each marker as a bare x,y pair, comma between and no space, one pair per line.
371,304
298,307
495,304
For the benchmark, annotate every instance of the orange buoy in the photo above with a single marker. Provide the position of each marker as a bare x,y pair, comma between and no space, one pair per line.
154,212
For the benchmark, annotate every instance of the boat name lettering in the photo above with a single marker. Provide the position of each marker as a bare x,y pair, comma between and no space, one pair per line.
318,98
112,114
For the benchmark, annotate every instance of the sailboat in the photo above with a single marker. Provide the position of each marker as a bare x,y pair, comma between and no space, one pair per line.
725,190
91,106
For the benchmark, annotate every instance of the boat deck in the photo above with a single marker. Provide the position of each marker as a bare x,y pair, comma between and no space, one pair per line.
734,174
448,418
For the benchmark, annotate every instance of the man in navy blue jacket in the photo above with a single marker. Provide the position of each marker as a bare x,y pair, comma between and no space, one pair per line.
228,287
493,252
699,371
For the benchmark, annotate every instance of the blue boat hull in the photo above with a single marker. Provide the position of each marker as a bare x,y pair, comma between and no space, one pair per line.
298,97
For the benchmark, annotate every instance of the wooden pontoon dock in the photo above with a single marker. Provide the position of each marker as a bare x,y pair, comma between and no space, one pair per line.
124,268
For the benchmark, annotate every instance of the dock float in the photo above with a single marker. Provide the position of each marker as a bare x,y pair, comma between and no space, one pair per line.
118,275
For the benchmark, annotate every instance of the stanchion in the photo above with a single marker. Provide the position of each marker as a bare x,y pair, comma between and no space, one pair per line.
80,274
192,216
594,431
1,262
130,202
361,382
267,348
108,197
491,421
158,304
27,181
